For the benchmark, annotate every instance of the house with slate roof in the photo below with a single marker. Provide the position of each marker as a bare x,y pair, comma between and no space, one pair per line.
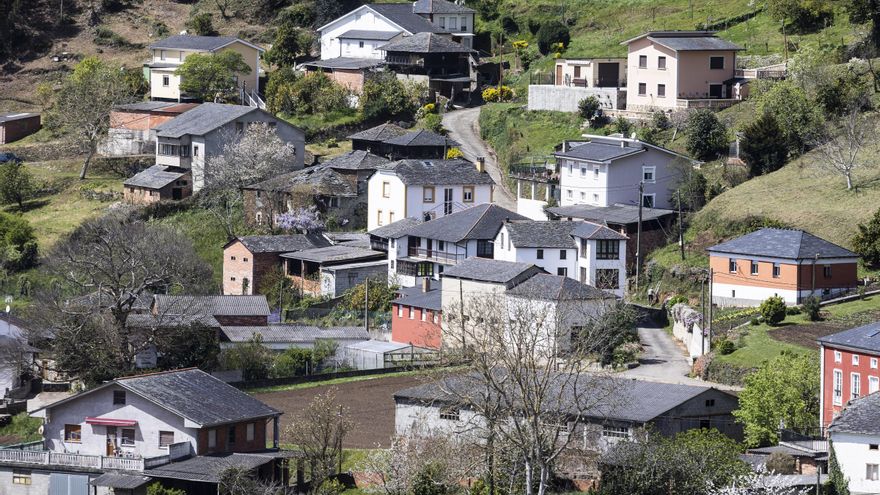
330,271
443,65
397,143
373,139
179,427
168,54
246,260
791,264
131,126
416,315
849,368
190,139
425,189
681,69
855,435
158,183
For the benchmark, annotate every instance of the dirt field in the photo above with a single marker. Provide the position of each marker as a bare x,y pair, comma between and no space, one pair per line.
806,335
371,403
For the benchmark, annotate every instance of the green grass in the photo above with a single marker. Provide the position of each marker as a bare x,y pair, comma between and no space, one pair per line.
23,428
335,381
319,122
207,235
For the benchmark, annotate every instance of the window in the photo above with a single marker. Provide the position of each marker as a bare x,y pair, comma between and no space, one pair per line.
400,311
195,150
596,172
467,194
607,278
716,62
118,397
826,271
436,318
428,195
754,267
464,23
244,260
873,446
583,171
450,413
873,363
643,61
230,435
568,193
583,249
562,272
167,149
607,249
837,391
441,245
379,217
873,384
161,54
583,196
871,472
563,254
776,270
855,385
166,81
442,22
73,433
648,200
360,44
423,314
855,359
166,438
540,254
710,402
577,71
453,23
386,189
838,357
212,439
412,314
648,174
21,477
731,265
485,249
595,198
615,431
661,91
249,435
390,217
127,436
643,89
661,62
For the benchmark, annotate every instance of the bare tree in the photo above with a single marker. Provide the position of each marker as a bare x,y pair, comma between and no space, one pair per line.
758,483
247,158
678,119
319,432
840,146
236,480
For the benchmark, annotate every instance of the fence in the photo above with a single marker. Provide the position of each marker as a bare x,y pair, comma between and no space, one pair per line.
47,458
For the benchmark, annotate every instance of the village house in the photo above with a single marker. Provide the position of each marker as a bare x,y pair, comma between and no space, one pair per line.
181,428
397,143
374,139
416,315
18,363
849,368
426,189
131,130
189,140
446,67
247,260
170,53
791,264
157,183
14,126
855,435
282,336
607,170
336,188
668,70
426,249
573,80
330,271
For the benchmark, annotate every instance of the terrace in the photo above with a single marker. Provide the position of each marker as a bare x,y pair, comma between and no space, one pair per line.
48,458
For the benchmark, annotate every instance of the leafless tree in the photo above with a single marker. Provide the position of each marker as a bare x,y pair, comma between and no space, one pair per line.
527,375
841,145
247,158
318,433
236,480
678,119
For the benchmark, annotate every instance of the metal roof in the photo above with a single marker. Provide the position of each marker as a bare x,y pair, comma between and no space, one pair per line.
617,214
367,34
380,133
121,481
438,172
281,243
344,63
156,177
339,252
203,119
557,288
783,243
425,42
207,469
198,43
541,234
860,416
293,333
489,270
213,305
866,338
377,346
481,222
440,7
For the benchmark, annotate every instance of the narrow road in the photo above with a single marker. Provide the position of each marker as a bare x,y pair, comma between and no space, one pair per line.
463,127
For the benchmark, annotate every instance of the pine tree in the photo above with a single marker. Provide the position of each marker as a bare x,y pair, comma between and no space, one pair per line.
867,241
837,484
762,147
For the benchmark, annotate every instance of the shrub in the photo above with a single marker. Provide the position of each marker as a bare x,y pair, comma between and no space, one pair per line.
799,118
724,347
252,358
622,126
495,95
763,147
509,24
773,310
202,24
292,362
754,322
552,32
18,243
17,185
317,93
453,153
432,122
676,299
706,135
781,463
812,307
589,108
866,242
384,95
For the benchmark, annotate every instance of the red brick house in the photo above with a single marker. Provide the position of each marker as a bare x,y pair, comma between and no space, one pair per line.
247,259
14,126
850,368
416,316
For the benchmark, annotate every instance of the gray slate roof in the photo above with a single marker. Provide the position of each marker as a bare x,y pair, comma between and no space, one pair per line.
322,179
415,297
481,222
339,252
402,14
393,230
425,43
439,172
212,305
193,42
859,416
345,63
421,137
293,333
542,234
202,119
156,177
440,7
282,243
695,43
782,243
206,468
380,133
598,152
121,481
557,288
866,337
356,160
590,230
367,34
618,214
487,270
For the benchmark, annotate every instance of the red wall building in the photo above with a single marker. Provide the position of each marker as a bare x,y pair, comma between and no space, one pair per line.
850,364
416,316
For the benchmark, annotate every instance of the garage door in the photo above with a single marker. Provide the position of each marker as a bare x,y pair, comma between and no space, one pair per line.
68,484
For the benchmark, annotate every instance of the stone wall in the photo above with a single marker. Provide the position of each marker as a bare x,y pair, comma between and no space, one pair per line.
687,328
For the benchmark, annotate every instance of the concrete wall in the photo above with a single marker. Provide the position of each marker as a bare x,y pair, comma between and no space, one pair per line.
361,18
587,262
40,482
692,335
853,455
380,208
651,76
532,209
250,80
422,328
566,98
336,281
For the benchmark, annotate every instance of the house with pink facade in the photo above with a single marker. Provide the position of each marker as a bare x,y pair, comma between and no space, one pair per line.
682,69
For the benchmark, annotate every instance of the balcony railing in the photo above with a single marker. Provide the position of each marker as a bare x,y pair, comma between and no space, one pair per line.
434,255
49,458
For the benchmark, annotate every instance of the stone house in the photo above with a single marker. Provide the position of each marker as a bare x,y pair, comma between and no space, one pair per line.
246,260
158,183
330,271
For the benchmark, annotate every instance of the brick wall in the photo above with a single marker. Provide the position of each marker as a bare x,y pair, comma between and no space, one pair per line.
406,330
847,368
351,79
241,443
17,129
238,265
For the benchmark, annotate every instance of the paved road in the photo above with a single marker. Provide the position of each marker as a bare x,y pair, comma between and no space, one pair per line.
463,127
663,360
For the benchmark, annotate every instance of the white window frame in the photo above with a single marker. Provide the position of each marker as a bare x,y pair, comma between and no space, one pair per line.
453,23
838,357
837,387
412,313
873,363
873,384
872,472
855,359
855,385
400,311
649,170
166,80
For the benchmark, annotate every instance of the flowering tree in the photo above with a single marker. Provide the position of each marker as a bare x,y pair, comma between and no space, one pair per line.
303,220
759,483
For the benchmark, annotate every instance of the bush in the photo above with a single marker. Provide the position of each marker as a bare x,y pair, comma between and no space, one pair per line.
812,307
792,310
676,299
763,147
495,95
201,24
252,358
773,310
17,185
552,32
453,153
509,24
385,96
292,362
432,122
781,463
724,347
317,93
18,244
754,322
589,108
799,118
706,135
622,126
866,242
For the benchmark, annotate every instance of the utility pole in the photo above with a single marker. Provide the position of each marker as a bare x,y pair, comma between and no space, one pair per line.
367,305
680,228
500,63
709,323
639,234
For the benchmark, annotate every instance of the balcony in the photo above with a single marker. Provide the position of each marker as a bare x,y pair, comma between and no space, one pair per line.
434,255
97,462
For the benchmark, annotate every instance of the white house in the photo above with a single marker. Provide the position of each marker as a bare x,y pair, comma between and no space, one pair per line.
425,189
190,139
607,170
855,435
16,356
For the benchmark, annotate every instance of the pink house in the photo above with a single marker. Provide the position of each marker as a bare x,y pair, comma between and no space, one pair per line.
682,69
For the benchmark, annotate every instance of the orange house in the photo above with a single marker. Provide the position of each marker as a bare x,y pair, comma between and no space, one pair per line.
791,264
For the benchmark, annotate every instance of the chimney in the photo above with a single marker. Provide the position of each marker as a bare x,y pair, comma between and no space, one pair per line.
481,164
623,143
564,146
426,284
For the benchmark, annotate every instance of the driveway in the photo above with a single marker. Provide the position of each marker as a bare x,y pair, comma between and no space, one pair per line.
463,127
